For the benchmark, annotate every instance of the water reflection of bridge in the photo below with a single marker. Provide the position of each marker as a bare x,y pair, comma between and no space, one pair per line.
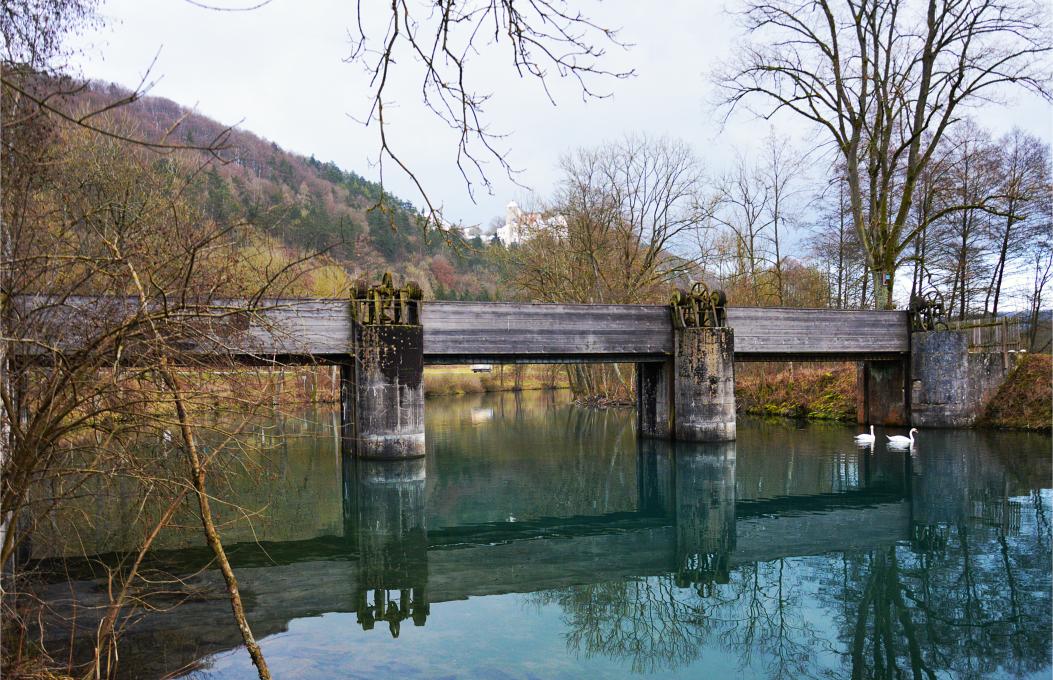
399,541
688,521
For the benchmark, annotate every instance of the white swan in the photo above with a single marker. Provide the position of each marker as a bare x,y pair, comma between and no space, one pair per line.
866,438
899,441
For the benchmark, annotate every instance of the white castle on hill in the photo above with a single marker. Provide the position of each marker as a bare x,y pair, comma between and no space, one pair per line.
466,231
519,224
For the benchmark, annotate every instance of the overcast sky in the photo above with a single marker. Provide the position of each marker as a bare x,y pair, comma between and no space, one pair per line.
279,72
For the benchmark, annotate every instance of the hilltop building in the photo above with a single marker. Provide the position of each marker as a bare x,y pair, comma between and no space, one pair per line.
519,224
467,232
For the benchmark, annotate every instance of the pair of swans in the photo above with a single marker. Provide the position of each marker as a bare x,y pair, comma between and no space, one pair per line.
895,441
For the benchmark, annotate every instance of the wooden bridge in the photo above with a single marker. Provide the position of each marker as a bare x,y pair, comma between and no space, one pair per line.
294,331
502,332
685,371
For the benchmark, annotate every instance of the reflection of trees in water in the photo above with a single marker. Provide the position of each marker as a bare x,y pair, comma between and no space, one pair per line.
278,476
654,624
965,600
650,623
764,615
540,458
600,455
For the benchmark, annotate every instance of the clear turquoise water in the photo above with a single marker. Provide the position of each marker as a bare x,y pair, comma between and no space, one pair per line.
539,540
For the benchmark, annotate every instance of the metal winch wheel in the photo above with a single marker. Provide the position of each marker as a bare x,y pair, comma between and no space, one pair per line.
927,312
698,307
384,304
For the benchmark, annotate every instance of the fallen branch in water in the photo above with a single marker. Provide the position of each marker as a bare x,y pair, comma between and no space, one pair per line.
604,402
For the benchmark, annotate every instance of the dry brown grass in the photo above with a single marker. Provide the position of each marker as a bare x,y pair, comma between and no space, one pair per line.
1025,399
821,392
320,384
445,380
292,386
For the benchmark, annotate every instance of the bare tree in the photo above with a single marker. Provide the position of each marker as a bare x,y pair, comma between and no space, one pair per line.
92,380
957,243
742,208
441,42
757,204
610,231
981,211
885,80
1024,213
933,184
609,234
1040,274
834,246
782,169
87,201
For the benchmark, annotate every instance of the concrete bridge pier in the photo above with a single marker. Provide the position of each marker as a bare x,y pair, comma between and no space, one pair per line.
882,393
951,381
692,397
704,384
382,386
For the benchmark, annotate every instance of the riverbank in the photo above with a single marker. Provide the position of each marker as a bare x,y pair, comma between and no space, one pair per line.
297,386
1025,399
449,380
816,392
828,392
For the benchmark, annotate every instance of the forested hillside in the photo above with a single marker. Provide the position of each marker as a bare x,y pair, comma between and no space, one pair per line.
303,205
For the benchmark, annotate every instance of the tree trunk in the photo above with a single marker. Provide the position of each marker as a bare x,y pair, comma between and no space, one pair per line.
1000,267
883,289
211,534
842,274
863,293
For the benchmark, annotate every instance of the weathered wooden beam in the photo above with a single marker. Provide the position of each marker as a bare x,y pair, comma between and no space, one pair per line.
300,331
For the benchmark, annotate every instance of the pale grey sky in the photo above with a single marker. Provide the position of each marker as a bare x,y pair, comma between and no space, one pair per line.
280,71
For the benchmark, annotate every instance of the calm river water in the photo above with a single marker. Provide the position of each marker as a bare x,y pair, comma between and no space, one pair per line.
539,540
